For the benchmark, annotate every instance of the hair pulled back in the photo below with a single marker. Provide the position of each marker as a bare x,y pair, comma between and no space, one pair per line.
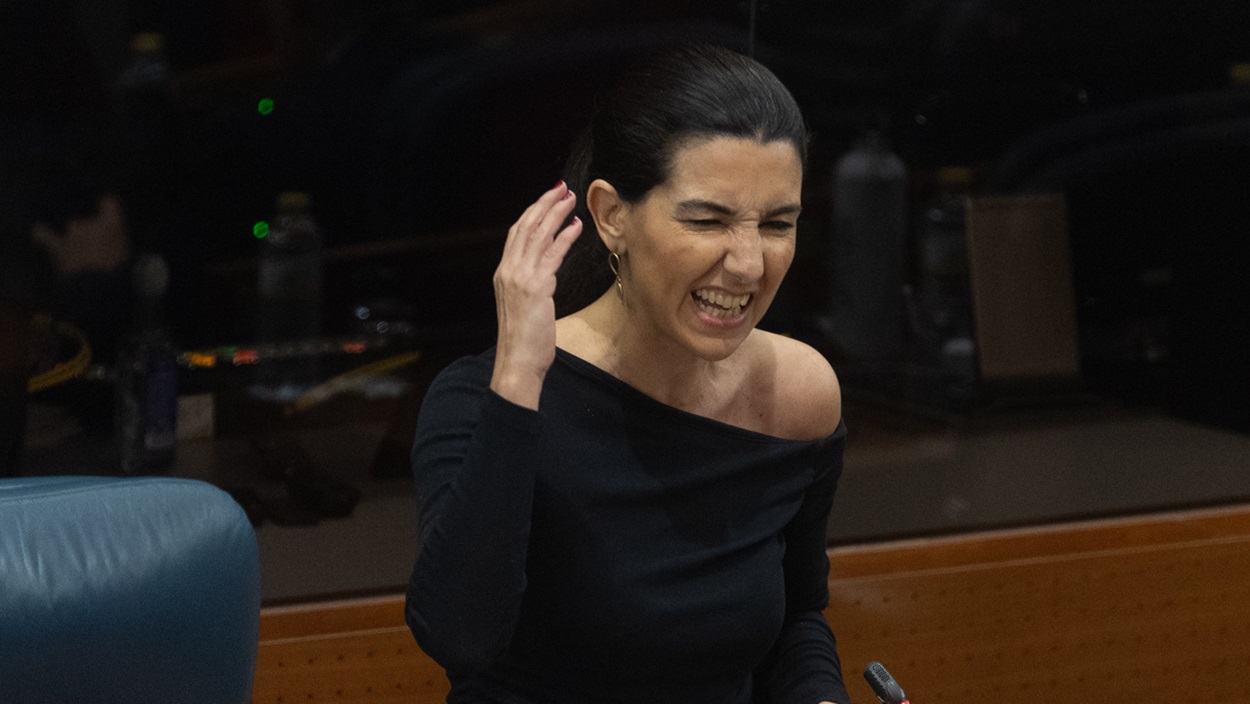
681,95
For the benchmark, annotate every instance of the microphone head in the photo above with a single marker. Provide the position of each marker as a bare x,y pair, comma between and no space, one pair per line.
883,685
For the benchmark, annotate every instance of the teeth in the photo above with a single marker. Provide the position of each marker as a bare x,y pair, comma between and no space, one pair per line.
720,304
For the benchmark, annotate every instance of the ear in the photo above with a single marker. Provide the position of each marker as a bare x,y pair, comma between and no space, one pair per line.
609,211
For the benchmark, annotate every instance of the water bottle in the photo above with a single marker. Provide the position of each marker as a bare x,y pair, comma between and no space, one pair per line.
869,252
144,106
144,90
147,378
289,300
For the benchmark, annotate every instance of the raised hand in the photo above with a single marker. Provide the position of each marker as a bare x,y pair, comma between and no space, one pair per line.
525,283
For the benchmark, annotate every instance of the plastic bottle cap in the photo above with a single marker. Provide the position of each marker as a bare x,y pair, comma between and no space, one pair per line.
147,42
293,200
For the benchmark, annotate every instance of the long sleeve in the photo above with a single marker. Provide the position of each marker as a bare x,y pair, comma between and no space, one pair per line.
803,666
613,548
475,459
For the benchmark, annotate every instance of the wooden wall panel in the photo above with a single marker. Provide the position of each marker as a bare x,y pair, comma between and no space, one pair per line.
1153,608
346,651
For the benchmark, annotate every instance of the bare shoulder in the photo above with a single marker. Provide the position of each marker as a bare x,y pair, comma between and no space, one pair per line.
806,388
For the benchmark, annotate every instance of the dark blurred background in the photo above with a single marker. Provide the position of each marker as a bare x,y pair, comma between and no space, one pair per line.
420,130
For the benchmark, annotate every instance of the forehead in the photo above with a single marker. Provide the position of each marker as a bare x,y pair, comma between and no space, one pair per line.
736,168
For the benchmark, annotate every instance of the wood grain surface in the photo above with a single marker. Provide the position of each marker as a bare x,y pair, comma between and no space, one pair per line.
1153,608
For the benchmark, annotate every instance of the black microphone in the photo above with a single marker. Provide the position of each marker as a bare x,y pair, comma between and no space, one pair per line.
883,685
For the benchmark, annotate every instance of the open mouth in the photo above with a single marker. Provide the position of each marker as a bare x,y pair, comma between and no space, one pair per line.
719,304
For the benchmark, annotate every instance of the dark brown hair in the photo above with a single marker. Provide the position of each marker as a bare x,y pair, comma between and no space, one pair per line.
689,93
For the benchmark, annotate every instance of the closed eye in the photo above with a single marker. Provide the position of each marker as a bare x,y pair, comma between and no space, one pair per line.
702,222
779,226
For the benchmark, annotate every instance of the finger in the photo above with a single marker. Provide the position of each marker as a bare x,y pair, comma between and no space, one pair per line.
538,209
555,219
530,226
518,234
563,241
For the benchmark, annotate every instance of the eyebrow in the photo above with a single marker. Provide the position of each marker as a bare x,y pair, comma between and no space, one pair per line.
719,209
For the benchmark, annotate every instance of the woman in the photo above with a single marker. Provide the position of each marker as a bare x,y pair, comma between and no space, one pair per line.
628,503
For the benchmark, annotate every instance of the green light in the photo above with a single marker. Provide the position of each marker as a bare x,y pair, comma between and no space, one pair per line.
260,230
265,106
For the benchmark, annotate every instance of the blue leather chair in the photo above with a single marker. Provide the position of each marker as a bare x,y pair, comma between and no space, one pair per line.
132,590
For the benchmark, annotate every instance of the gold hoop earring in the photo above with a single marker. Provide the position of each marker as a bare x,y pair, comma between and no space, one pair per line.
614,263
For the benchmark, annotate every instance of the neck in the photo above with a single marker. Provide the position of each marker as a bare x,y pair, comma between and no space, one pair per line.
609,337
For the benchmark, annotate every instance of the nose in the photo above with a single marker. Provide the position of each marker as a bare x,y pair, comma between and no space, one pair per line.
744,256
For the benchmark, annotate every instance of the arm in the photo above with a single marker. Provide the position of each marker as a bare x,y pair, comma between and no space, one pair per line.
476,455
525,284
475,459
803,666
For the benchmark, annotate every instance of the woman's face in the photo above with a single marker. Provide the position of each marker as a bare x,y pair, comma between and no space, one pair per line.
706,249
